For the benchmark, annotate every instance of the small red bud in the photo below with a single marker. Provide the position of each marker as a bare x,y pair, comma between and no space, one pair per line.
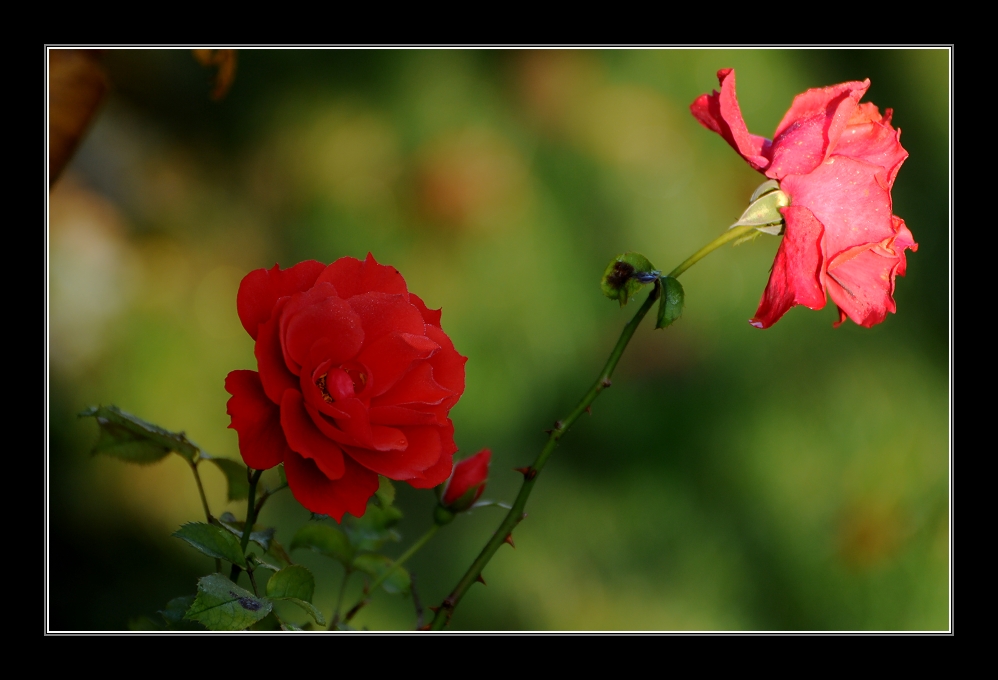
467,482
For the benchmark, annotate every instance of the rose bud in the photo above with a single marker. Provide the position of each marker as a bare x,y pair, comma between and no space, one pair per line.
467,482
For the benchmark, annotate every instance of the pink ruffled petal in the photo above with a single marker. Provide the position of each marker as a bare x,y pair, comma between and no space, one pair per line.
795,278
719,112
812,127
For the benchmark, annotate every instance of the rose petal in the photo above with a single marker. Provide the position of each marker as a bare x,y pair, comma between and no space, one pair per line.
812,127
353,277
389,358
448,365
862,284
418,385
873,142
306,439
720,113
381,314
256,420
430,316
846,197
274,372
399,415
423,450
325,496
261,288
795,278
470,472
441,470
321,328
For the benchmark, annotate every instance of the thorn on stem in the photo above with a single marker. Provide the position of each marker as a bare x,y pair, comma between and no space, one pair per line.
481,580
606,382
527,472
509,539
434,609
548,431
589,409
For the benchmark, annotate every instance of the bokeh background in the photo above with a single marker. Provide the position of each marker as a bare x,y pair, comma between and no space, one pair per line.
731,479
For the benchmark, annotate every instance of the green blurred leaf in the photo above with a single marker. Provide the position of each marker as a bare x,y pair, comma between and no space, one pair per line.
280,472
129,438
175,609
289,626
294,581
622,277
277,551
385,492
263,537
763,212
145,623
375,565
222,605
372,530
257,562
295,584
212,541
671,302
309,608
325,540
235,475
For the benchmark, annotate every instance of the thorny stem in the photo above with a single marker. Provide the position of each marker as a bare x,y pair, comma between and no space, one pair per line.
251,510
413,549
516,513
267,493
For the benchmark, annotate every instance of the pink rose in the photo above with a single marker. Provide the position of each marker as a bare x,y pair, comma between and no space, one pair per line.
836,159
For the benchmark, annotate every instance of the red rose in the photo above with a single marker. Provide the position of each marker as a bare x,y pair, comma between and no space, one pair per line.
356,379
836,159
467,483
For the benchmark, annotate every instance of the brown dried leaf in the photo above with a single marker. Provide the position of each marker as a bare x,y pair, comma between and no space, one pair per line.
77,85
225,60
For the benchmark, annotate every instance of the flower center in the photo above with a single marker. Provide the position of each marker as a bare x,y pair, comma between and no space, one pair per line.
321,384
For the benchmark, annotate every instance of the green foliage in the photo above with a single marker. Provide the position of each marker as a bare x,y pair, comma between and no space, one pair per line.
374,529
375,565
235,475
763,212
386,492
325,540
132,439
222,605
174,611
295,581
297,585
671,302
213,541
263,537
622,278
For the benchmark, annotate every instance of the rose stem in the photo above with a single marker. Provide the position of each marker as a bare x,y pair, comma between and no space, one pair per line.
204,504
413,549
516,514
254,477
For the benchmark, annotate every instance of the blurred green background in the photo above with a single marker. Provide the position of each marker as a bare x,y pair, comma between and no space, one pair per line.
732,479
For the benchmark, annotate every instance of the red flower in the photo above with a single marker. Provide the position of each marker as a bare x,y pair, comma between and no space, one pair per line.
467,483
836,159
356,379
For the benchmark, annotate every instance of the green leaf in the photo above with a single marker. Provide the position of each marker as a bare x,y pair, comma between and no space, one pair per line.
309,608
385,492
173,614
670,304
145,623
375,565
280,472
261,536
325,540
277,551
213,541
235,475
222,605
625,275
257,562
372,530
132,439
295,581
